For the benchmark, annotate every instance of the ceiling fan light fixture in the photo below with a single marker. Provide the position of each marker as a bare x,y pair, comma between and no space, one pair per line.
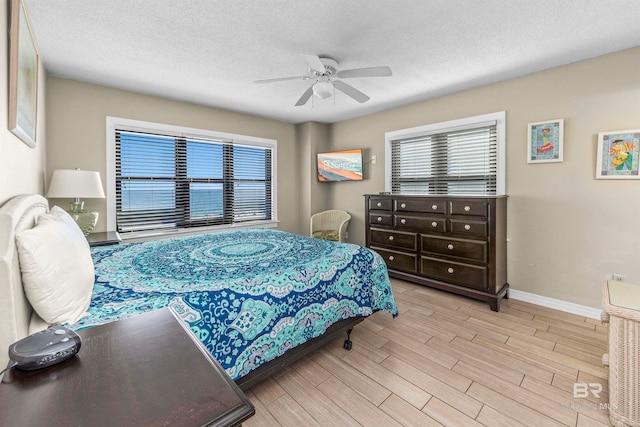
323,90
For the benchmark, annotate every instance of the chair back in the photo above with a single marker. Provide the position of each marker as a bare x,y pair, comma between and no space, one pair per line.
329,224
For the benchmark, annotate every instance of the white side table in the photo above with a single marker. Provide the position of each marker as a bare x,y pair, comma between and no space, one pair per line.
621,303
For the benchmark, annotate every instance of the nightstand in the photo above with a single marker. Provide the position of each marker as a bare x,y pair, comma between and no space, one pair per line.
146,370
104,238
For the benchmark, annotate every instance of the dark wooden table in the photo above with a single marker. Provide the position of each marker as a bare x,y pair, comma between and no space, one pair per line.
103,238
148,370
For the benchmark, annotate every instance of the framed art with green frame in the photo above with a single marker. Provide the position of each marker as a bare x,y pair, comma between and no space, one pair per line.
618,155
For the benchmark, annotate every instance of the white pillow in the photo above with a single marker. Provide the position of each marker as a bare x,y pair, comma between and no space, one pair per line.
57,269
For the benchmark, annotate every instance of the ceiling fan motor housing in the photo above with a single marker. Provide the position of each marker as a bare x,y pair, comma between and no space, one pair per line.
330,65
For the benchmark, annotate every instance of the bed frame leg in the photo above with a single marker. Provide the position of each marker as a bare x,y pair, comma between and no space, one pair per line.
347,343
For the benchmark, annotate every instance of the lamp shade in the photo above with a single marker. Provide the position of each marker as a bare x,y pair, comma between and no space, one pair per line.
323,90
75,183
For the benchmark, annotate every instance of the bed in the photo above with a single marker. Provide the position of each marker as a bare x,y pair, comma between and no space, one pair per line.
258,299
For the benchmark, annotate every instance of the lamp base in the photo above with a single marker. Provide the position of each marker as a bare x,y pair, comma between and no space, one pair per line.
85,220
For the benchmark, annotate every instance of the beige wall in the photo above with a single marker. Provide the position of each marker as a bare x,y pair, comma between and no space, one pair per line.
21,167
312,138
76,132
567,231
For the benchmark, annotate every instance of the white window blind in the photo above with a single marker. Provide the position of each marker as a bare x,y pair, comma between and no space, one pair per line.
464,156
172,182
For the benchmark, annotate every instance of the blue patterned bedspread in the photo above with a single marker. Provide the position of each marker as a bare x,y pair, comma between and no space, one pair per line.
249,295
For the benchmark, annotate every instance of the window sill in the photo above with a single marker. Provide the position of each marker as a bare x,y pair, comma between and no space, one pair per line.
141,236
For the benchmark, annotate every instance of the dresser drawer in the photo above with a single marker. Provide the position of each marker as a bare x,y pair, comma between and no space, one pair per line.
397,239
398,261
380,204
472,250
469,228
469,207
471,276
420,224
380,219
438,206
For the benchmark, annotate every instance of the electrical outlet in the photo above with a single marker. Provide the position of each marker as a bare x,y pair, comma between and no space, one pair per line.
618,277
374,159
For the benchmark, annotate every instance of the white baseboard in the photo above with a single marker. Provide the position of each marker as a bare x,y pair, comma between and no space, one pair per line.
569,307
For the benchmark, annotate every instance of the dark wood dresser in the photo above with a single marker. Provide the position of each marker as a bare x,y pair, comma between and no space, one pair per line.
453,243
147,370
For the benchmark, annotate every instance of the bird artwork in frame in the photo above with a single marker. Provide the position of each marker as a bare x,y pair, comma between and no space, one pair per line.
545,141
618,155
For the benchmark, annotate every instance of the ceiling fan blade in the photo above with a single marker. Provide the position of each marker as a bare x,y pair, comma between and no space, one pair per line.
365,72
315,63
281,79
350,91
305,96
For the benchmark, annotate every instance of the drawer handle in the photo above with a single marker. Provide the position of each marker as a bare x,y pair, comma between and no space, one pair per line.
379,204
450,246
390,237
467,208
467,227
403,205
450,270
379,219
434,224
403,221
391,258
434,207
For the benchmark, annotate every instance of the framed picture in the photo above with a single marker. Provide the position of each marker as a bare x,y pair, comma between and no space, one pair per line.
545,141
618,155
23,76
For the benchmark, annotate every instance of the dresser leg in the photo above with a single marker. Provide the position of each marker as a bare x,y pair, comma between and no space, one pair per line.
494,302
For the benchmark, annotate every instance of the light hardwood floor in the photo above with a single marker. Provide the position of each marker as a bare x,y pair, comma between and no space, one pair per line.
446,360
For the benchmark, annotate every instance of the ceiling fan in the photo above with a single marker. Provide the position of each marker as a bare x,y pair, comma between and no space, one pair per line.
324,71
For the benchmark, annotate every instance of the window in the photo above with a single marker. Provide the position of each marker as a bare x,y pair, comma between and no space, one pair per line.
166,179
458,157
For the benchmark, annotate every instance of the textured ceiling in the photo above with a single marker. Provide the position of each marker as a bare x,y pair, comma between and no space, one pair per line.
209,52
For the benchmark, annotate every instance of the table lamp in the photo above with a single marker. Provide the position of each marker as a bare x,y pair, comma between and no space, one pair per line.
76,183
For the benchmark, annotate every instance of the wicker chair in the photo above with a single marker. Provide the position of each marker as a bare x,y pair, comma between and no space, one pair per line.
330,225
